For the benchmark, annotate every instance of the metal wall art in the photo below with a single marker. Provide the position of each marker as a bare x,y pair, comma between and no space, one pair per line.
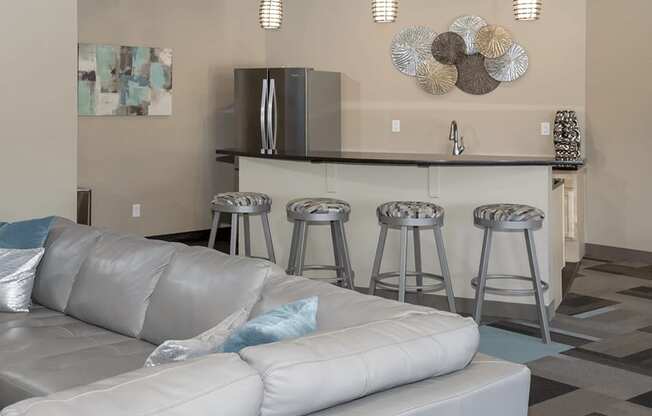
435,77
473,55
410,47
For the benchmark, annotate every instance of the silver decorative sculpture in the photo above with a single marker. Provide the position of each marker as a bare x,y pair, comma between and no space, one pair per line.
567,136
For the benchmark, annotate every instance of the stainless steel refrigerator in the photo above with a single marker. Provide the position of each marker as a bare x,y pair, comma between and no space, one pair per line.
288,110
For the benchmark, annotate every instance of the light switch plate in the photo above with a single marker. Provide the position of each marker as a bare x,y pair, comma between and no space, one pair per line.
545,129
135,211
396,126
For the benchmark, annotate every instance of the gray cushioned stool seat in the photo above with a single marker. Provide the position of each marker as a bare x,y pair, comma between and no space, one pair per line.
410,209
311,206
508,213
242,199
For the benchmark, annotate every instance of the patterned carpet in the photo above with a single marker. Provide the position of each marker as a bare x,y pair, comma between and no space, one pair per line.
606,321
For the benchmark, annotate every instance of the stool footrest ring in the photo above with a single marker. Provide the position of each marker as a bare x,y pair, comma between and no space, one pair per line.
381,282
508,292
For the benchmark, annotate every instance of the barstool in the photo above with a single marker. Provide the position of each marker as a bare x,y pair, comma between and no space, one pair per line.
320,211
413,216
510,218
243,204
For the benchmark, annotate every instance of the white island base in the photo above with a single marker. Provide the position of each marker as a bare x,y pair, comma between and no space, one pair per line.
459,189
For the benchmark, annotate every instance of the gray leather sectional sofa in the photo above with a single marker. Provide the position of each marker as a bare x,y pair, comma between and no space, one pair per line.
104,301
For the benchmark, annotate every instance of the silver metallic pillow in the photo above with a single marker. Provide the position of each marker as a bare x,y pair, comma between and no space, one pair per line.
17,271
203,344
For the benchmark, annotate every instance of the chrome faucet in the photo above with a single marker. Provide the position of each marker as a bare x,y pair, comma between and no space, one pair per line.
457,139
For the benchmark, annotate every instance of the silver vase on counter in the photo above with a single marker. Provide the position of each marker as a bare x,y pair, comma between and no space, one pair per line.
567,137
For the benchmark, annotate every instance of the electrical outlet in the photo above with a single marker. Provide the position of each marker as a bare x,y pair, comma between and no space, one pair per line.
396,126
135,211
545,129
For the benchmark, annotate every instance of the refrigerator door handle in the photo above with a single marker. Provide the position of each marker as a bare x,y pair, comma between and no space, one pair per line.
275,110
271,122
263,128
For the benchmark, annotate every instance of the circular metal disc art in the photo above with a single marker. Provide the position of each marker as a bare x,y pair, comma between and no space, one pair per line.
467,27
493,41
509,67
435,77
449,48
410,47
473,78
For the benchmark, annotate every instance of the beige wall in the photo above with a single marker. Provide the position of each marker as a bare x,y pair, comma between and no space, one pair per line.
619,103
38,153
339,35
167,164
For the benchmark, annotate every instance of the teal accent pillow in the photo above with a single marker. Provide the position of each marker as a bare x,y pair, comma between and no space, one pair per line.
290,321
25,235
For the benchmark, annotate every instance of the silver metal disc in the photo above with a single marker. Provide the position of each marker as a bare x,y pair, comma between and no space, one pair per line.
467,27
410,47
509,67
435,77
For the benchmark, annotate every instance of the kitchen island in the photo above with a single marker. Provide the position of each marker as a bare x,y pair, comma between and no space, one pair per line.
457,183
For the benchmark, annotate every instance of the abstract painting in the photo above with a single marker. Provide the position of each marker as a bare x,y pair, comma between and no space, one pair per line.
124,81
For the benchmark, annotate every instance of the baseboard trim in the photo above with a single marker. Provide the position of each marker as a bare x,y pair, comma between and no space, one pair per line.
223,234
491,309
608,253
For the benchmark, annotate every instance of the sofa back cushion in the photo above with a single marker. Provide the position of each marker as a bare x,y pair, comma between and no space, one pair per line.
200,289
66,248
116,281
323,370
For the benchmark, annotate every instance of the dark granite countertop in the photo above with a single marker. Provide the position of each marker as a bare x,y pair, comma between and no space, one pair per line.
418,159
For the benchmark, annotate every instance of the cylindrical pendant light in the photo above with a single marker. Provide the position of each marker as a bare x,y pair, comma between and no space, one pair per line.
271,14
527,9
384,11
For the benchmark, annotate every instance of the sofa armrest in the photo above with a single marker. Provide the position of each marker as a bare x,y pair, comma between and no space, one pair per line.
216,383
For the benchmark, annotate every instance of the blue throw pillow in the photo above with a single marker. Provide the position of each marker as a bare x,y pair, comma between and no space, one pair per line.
290,321
25,235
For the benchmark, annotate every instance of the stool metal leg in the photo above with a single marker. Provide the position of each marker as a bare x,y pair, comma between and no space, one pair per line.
214,229
346,256
301,248
445,271
403,268
292,261
482,275
234,234
247,234
380,249
337,249
417,263
268,237
538,289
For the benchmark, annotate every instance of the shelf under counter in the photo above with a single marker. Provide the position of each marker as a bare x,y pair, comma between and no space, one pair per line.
406,159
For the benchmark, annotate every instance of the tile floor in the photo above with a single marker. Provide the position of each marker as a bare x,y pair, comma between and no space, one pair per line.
607,319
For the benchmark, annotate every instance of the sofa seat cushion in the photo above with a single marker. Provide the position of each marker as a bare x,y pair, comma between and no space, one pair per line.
116,280
49,352
338,308
200,289
218,384
329,368
487,387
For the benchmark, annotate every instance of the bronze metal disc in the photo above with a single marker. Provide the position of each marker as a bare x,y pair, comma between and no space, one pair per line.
449,48
473,77
493,41
435,77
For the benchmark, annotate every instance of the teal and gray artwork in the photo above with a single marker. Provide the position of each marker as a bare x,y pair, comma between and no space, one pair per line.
124,81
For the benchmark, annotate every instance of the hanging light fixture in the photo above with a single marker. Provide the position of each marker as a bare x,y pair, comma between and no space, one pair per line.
271,14
527,9
384,11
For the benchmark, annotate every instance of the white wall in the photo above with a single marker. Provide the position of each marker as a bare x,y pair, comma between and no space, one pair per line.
38,109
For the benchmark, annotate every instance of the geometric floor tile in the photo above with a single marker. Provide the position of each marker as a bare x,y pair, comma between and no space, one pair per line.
543,389
609,381
644,292
514,347
646,329
643,400
623,270
626,409
622,345
575,304
576,403
533,331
